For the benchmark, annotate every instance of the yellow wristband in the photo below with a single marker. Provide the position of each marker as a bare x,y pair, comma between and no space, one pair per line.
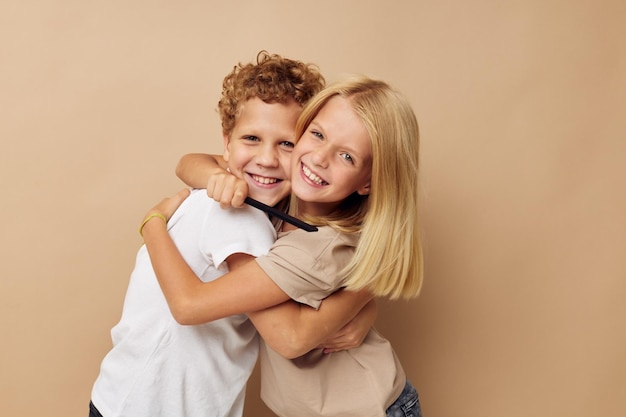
150,216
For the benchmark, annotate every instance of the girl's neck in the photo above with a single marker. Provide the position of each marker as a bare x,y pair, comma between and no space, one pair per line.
286,227
314,209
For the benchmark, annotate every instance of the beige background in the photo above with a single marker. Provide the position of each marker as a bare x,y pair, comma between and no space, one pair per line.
521,105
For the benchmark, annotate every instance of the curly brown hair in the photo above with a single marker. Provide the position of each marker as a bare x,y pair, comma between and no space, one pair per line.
273,79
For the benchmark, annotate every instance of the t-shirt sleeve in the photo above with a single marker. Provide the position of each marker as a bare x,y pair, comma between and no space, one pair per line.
237,230
306,265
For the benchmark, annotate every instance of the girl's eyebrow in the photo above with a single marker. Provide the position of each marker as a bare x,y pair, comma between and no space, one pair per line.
316,123
346,147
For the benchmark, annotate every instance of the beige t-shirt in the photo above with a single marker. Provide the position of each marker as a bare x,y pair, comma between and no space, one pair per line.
359,382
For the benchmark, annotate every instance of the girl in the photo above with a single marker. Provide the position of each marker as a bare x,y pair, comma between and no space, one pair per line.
353,174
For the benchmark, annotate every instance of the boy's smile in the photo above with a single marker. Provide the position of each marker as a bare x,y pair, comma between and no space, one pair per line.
259,148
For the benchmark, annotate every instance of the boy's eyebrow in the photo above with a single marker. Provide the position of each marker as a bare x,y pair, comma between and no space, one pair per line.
277,213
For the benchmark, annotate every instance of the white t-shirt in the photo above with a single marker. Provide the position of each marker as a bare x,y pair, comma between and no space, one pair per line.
158,367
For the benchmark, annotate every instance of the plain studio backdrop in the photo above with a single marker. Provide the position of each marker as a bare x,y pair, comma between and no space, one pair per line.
521,106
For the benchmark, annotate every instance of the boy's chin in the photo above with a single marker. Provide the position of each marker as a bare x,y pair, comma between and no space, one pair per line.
270,199
271,196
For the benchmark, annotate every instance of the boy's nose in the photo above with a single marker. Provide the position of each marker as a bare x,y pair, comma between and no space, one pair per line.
268,158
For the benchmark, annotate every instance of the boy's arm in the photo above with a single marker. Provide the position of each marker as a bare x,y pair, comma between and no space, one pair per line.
352,334
199,170
245,288
292,329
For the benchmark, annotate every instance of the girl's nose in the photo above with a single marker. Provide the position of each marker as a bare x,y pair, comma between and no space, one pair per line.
320,157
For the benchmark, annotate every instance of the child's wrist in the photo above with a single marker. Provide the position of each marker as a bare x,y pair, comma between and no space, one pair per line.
150,217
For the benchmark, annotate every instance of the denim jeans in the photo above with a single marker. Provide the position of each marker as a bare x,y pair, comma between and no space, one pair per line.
407,404
93,411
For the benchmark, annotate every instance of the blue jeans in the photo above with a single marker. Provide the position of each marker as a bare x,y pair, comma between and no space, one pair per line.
407,404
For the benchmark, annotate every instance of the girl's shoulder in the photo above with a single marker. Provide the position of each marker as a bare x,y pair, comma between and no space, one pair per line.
325,236
325,247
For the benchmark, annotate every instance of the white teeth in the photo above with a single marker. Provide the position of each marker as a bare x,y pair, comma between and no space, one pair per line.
310,175
263,180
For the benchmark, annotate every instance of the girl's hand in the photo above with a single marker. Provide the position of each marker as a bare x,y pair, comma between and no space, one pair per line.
227,189
352,334
168,205
199,170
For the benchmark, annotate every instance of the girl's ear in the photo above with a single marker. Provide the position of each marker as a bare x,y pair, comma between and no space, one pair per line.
226,139
365,189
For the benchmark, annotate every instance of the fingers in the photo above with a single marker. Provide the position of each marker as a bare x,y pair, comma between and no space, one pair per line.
168,205
227,190
239,197
348,337
182,195
171,204
347,341
340,345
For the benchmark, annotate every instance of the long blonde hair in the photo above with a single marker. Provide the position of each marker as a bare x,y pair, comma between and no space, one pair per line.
388,259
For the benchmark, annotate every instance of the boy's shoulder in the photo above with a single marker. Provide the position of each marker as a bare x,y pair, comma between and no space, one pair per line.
199,207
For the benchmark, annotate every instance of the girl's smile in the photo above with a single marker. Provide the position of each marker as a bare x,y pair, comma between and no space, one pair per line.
332,159
310,175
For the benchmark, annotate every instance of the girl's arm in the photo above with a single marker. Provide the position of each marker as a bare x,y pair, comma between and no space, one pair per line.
195,168
200,170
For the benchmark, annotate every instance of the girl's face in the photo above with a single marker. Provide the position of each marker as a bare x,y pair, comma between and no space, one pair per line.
332,159
258,150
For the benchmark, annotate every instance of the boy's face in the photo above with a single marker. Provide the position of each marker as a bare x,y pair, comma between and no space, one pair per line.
258,149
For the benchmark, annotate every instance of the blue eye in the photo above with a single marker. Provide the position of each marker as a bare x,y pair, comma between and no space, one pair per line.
287,144
347,157
317,134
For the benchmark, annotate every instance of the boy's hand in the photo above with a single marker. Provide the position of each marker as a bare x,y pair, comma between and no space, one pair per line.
227,189
168,205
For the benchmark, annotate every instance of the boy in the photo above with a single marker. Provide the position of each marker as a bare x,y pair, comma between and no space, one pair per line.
158,367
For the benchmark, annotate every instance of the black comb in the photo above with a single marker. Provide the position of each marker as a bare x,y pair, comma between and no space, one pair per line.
277,213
